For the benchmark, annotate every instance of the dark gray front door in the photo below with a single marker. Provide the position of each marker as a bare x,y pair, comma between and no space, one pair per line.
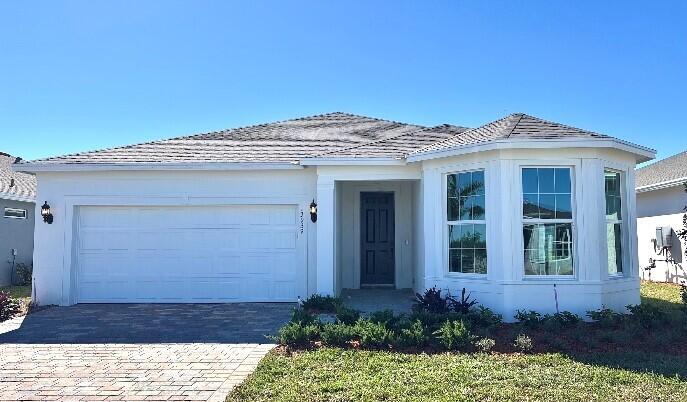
377,238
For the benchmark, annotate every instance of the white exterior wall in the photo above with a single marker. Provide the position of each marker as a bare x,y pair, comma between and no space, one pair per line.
505,288
660,208
65,191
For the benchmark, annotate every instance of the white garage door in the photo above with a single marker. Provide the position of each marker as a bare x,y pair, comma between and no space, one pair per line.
190,254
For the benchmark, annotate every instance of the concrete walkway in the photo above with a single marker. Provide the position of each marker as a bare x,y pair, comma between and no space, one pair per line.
135,352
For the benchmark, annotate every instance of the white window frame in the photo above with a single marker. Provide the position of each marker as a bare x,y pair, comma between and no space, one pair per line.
573,205
446,223
15,210
622,221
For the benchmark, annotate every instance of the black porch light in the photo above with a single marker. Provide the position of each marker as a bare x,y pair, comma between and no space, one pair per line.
313,211
45,213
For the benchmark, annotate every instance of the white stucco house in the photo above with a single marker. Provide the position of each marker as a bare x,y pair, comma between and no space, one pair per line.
661,200
510,210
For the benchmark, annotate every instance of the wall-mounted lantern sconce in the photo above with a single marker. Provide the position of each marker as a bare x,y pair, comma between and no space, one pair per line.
313,211
45,212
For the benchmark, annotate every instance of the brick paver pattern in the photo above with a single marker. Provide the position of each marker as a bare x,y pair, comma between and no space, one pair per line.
91,365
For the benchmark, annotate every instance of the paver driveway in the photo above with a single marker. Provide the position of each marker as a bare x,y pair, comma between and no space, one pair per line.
135,351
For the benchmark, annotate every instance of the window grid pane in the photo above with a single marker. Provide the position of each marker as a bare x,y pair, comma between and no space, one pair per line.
548,249
547,193
612,187
467,244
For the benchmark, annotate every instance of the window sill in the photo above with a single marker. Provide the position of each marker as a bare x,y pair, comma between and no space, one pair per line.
471,277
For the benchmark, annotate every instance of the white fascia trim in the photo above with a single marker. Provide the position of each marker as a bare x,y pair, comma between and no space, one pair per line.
81,167
14,197
352,162
661,185
644,153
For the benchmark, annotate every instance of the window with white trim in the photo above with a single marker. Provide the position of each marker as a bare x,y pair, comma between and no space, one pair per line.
614,221
467,227
15,213
547,221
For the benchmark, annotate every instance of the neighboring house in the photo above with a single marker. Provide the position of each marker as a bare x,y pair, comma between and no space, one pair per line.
661,200
17,205
514,211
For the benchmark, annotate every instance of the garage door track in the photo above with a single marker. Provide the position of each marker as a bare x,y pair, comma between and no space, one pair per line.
135,351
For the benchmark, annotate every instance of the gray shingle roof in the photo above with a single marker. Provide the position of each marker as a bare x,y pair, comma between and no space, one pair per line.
673,168
15,185
514,126
284,141
332,135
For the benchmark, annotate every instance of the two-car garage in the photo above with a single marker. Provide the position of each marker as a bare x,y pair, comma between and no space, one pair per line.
198,254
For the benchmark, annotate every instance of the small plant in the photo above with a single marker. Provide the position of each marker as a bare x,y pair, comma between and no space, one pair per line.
301,316
294,333
337,334
413,336
647,315
322,304
485,345
529,318
455,335
347,316
462,305
383,317
373,334
523,343
605,317
432,301
9,307
683,294
23,274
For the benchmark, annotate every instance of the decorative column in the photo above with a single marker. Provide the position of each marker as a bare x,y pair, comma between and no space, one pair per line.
325,236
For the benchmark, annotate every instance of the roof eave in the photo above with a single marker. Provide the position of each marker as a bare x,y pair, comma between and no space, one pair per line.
15,197
662,185
361,161
642,154
81,167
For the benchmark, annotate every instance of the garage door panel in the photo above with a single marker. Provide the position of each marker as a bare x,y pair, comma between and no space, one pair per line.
190,254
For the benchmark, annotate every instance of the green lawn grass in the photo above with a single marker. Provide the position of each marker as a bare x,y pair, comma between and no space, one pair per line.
637,373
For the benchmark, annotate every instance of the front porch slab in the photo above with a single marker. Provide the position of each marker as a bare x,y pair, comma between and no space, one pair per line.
371,300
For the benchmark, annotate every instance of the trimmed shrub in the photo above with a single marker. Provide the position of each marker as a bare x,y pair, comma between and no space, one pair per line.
413,336
605,317
528,318
382,317
9,307
373,334
347,316
647,315
483,317
485,345
564,319
294,333
432,301
302,316
523,343
323,304
23,274
337,334
455,335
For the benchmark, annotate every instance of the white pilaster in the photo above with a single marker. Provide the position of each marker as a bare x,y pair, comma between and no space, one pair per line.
325,236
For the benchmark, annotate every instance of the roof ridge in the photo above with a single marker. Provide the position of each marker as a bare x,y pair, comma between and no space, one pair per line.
520,116
565,125
422,128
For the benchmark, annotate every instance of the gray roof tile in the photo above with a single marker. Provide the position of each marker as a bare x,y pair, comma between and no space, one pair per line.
673,168
517,126
14,184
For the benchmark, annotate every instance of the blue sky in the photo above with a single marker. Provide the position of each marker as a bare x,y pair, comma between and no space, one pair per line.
82,75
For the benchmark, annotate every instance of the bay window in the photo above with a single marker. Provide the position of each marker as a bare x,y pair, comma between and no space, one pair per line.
465,217
547,221
614,221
